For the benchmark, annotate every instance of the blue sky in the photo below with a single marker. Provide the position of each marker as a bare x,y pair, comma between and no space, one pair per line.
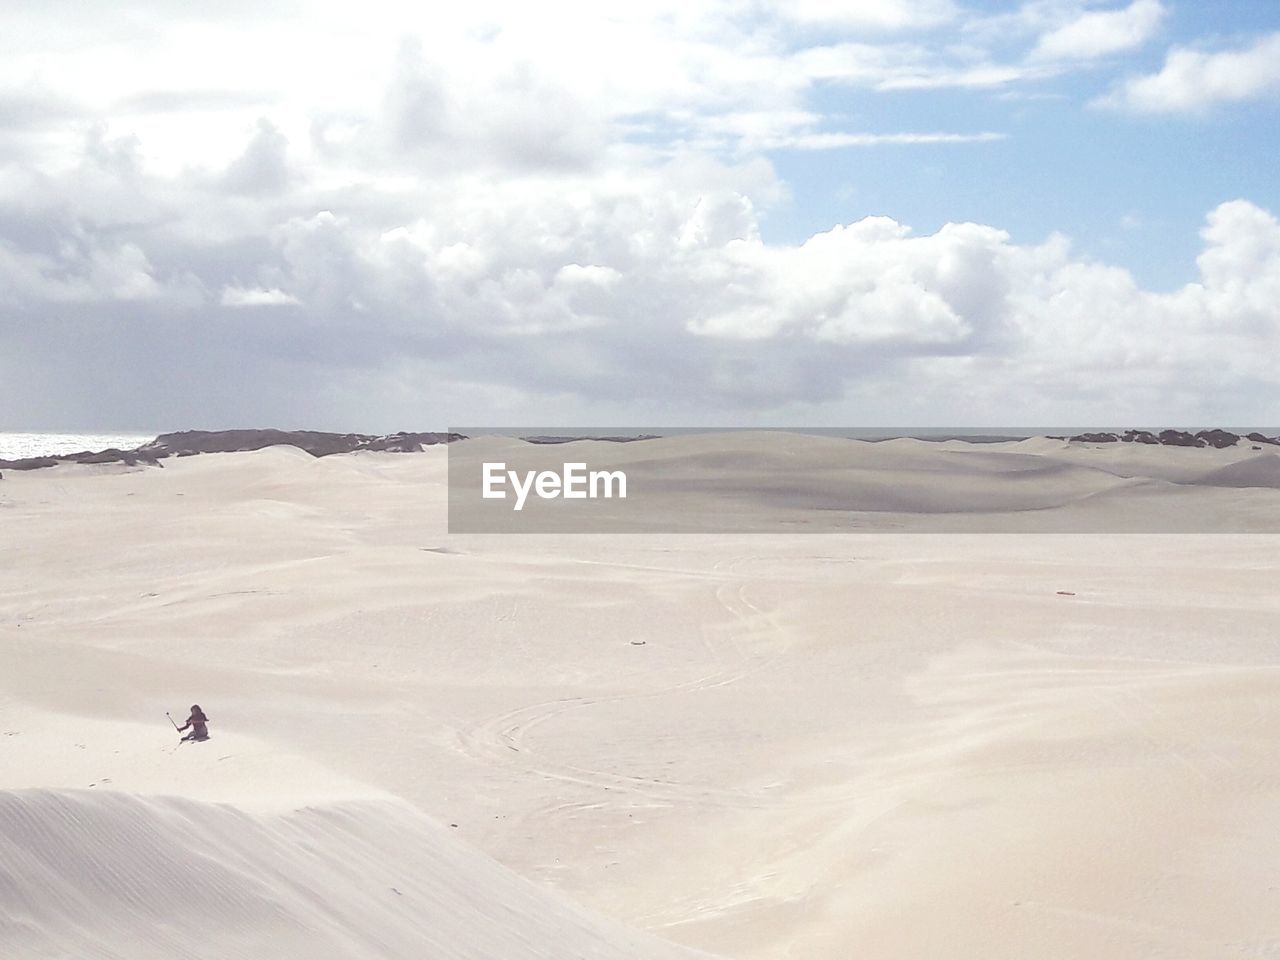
822,212
1128,187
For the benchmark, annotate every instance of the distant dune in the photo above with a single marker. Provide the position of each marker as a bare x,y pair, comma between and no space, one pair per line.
762,481
1259,471
322,444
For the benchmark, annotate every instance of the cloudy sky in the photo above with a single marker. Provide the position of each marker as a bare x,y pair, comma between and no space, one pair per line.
389,215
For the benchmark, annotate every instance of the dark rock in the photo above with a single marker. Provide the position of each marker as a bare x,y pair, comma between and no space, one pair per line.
566,439
238,441
407,442
188,443
110,455
1140,436
314,442
1179,438
1219,439
1216,438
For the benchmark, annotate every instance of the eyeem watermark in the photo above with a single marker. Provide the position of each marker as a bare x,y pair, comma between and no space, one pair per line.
695,481
573,482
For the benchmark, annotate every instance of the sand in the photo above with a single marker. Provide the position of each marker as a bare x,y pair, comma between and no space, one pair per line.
767,746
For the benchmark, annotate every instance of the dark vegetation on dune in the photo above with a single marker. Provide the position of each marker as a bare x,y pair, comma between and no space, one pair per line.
190,442
187,443
1174,438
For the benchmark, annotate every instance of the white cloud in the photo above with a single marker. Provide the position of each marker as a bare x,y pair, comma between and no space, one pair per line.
491,82
836,139
875,14
869,283
1240,269
530,215
1101,33
1193,80
930,76
257,297
968,291
648,287
643,285
82,270
263,167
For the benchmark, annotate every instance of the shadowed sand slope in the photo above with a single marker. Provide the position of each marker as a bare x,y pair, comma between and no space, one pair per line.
1260,471
111,875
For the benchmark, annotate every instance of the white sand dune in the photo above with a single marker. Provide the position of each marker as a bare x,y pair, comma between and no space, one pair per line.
118,842
115,875
767,747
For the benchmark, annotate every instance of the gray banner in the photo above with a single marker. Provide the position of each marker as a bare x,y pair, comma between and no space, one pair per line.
716,480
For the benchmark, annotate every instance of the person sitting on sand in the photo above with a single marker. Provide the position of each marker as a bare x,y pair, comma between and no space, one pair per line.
196,722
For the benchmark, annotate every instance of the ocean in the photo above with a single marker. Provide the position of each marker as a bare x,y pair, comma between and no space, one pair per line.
15,446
